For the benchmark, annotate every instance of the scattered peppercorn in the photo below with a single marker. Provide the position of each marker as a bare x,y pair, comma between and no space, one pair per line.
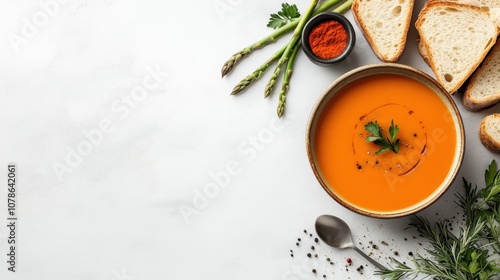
349,262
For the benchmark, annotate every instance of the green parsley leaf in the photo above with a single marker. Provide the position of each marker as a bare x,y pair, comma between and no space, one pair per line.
395,146
287,14
393,131
374,130
376,137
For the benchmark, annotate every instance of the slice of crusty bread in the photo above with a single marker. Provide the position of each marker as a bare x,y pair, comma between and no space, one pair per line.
385,24
456,37
483,89
489,132
492,6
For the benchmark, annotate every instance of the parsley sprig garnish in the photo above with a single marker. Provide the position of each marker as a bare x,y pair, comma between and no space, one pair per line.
287,14
470,254
388,144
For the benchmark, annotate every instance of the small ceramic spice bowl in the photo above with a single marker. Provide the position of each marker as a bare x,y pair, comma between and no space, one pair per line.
328,38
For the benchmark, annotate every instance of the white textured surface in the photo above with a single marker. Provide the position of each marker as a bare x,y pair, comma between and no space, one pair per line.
116,212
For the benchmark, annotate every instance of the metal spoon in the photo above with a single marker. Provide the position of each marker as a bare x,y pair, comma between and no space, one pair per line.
336,233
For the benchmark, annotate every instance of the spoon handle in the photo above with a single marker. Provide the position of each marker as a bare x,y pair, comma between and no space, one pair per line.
375,263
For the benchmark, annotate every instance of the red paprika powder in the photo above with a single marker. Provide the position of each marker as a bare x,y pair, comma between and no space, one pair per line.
328,39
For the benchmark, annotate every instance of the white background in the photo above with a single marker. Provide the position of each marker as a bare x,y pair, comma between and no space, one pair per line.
128,205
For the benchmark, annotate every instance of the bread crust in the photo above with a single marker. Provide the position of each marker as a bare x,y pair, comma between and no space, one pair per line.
358,18
474,105
495,16
430,56
489,141
470,102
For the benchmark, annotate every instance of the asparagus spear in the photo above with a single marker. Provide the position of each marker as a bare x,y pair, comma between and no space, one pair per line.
286,80
240,55
289,69
344,7
292,44
248,80
255,75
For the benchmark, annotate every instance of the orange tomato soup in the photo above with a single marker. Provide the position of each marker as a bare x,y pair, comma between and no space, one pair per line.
388,181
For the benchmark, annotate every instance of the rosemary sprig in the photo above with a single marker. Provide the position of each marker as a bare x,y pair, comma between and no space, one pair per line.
468,255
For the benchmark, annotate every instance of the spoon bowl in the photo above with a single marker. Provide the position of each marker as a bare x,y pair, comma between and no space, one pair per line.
336,233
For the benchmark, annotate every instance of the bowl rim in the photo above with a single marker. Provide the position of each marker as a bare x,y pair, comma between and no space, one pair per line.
322,17
407,71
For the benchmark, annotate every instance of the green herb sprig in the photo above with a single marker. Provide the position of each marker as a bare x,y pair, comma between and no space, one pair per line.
473,254
388,144
287,14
